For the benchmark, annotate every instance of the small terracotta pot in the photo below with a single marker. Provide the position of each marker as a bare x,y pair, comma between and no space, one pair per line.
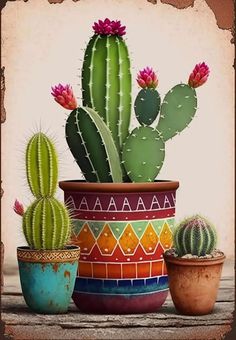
194,283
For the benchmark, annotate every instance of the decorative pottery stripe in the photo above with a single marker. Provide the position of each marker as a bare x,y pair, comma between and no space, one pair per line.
123,287
48,256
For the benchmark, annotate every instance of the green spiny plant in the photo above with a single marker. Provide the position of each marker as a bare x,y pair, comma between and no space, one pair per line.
46,222
196,236
106,79
106,86
92,146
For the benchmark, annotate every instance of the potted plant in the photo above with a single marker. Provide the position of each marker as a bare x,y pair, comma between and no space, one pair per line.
47,266
194,266
123,218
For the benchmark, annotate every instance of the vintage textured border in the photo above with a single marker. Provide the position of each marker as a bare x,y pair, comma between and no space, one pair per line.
224,14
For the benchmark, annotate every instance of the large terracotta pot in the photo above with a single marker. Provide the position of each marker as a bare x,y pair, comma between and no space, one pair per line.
194,283
122,230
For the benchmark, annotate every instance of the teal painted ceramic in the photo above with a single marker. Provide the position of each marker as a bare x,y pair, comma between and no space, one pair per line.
48,277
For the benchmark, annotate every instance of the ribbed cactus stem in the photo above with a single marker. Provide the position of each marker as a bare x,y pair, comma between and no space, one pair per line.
196,236
106,83
92,146
46,224
41,166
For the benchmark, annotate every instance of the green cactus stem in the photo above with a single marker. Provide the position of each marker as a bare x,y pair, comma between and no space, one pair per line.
92,146
41,166
106,83
177,110
196,236
147,106
46,224
143,154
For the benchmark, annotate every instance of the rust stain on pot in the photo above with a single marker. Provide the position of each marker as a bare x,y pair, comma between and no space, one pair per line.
43,265
55,267
67,287
66,274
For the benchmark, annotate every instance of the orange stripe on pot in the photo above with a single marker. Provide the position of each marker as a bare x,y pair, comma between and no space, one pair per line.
129,270
99,270
85,269
143,269
114,271
156,268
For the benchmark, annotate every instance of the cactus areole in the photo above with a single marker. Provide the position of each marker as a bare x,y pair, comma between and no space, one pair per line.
123,217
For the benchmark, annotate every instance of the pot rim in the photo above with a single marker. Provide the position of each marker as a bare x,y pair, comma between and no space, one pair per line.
83,186
70,254
195,261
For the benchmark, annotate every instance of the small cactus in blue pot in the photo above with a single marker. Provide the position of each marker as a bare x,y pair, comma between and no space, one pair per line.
48,266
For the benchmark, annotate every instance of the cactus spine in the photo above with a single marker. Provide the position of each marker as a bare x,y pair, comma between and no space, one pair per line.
177,110
106,83
196,236
46,222
92,146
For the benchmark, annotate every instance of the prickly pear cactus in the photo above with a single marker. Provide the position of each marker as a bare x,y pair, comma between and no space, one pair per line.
177,110
46,224
147,106
106,78
92,146
41,166
196,236
143,154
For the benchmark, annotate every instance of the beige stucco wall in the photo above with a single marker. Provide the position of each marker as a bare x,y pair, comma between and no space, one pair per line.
43,45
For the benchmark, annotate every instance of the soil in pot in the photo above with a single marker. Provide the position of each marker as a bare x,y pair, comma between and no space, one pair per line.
194,282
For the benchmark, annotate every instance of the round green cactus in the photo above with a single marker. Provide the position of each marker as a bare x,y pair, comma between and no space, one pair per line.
46,224
196,236
147,106
41,166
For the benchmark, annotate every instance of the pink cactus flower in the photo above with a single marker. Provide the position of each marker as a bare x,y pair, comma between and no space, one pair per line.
147,78
109,27
199,75
64,96
18,208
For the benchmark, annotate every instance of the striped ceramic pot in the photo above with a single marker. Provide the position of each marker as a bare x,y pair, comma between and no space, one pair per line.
122,230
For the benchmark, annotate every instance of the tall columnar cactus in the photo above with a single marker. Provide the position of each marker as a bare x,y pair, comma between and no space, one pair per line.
46,222
106,78
147,102
41,166
92,146
196,236
98,133
180,104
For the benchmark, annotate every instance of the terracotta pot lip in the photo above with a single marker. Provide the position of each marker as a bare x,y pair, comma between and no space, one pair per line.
194,262
83,186
68,248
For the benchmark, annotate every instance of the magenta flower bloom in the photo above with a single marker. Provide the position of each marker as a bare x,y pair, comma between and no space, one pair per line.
199,75
109,27
18,208
147,78
64,96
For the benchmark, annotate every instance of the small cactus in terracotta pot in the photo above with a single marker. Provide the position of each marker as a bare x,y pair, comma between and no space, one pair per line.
194,266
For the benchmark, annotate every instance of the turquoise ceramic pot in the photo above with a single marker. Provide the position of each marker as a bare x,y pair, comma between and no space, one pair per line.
48,278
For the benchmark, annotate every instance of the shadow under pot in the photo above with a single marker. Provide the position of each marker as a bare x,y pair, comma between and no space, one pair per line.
48,277
194,283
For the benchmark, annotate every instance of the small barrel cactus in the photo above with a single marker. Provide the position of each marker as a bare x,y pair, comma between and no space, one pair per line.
196,236
46,222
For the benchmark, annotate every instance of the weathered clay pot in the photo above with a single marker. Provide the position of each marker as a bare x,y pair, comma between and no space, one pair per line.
122,230
194,283
48,278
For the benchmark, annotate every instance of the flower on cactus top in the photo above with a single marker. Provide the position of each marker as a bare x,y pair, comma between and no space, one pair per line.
18,208
64,96
147,78
109,27
199,75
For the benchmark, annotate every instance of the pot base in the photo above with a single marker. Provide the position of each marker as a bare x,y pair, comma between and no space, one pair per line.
119,304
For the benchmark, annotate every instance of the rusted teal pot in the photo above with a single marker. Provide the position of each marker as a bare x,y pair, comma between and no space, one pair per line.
48,278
